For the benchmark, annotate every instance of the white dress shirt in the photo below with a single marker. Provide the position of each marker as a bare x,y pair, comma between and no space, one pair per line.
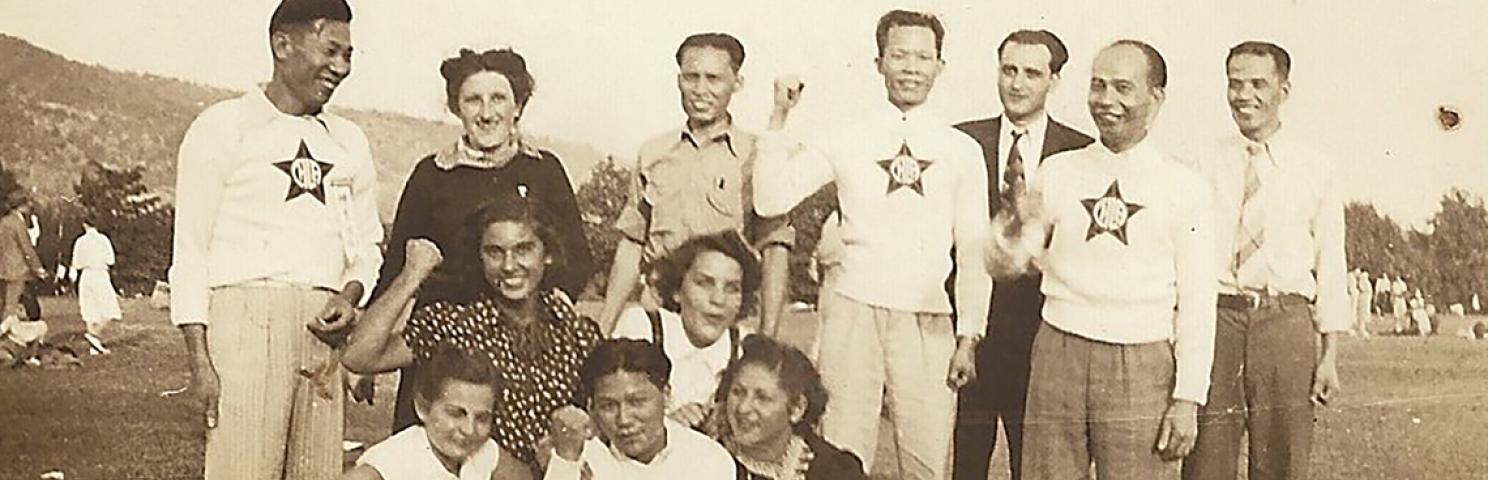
1303,229
695,369
263,195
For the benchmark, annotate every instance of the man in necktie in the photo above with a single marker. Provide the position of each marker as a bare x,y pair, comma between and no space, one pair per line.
1029,62
1282,282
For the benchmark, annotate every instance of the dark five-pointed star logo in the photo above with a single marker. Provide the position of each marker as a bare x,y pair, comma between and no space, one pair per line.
1109,213
306,174
904,170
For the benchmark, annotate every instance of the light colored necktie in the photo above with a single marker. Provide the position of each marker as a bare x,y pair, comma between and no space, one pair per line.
1250,269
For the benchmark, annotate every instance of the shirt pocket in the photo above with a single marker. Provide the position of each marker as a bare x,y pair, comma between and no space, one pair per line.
725,193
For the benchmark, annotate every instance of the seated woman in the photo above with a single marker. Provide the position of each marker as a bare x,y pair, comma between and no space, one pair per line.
488,92
455,400
706,285
626,381
769,402
527,327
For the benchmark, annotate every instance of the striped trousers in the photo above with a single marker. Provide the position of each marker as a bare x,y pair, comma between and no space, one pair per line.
273,422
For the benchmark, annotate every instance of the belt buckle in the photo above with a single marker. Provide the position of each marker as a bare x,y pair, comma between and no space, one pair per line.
1255,300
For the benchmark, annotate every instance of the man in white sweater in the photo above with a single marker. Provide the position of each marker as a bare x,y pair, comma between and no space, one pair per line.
276,234
1121,363
910,187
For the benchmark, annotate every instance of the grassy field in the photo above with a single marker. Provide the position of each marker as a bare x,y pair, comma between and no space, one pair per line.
1412,408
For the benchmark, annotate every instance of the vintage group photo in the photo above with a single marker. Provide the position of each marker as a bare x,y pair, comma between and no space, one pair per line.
576,240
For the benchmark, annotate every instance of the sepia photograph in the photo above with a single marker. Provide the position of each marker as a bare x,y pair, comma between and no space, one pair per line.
752,240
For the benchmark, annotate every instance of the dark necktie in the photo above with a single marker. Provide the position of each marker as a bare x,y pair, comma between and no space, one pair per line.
1013,174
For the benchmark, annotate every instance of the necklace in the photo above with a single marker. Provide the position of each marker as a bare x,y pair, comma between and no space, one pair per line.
792,466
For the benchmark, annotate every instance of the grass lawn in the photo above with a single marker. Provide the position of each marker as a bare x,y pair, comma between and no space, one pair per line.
1412,408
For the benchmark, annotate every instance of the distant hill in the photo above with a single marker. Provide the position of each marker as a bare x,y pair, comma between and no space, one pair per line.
57,114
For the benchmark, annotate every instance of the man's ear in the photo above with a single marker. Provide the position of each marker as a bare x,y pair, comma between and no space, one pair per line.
280,44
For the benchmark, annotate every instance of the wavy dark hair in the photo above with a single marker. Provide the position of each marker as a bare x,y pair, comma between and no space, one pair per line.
797,376
465,259
730,243
504,61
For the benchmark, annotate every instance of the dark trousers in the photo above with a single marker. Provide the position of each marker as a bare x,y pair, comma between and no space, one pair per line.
29,300
1001,387
1262,378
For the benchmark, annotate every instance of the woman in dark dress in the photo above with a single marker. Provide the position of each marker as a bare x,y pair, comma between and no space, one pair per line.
488,92
517,318
772,399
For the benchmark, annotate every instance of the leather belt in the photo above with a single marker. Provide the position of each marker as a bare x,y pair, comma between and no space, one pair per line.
1257,301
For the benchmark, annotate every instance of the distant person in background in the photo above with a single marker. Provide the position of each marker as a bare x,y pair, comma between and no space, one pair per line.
488,92
770,403
1363,295
92,255
1382,295
19,263
1420,317
1399,295
455,399
30,298
276,240
695,180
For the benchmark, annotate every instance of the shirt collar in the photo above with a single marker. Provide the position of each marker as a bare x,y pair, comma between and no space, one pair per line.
1275,145
918,113
1034,132
461,154
729,135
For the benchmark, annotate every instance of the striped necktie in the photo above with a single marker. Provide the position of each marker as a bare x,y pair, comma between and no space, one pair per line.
1013,174
1251,270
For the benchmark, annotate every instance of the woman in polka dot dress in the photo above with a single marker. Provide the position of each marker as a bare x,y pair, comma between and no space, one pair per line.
521,321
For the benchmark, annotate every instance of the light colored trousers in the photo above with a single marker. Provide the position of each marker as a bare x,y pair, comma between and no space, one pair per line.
273,422
864,349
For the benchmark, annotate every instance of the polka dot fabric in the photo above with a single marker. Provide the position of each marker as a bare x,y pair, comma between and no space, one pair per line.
539,362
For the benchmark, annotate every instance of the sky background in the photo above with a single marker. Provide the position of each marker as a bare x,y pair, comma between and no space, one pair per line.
1367,74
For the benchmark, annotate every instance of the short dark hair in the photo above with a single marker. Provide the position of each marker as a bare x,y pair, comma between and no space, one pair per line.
292,13
624,355
1279,56
1157,68
797,376
447,364
730,243
906,18
1058,54
504,61
717,40
505,207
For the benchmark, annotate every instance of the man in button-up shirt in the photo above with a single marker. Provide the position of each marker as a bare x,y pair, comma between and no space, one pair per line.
696,180
276,230
1282,281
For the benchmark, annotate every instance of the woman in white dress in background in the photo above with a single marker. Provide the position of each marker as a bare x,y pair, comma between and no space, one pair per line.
92,255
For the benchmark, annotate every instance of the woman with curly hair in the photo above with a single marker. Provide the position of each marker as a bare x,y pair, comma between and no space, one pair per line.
770,402
518,318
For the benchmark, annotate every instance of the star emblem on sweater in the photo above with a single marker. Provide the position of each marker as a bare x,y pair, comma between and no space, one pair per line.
904,170
306,174
1109,213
